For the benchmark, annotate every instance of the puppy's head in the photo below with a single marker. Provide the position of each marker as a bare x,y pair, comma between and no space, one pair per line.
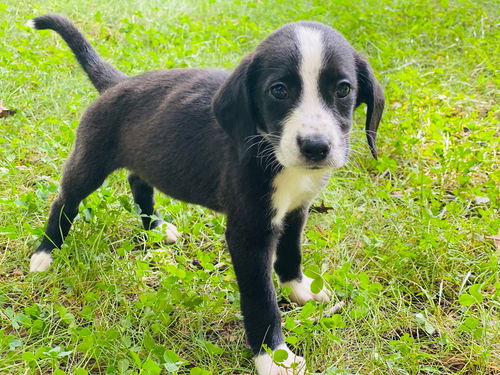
298,91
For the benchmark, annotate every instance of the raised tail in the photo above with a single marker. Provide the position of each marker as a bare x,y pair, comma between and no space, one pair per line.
100,73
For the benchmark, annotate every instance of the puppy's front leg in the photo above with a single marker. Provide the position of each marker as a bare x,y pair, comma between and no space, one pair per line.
251,244
288,260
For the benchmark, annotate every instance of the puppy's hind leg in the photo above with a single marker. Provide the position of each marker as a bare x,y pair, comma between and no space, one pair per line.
80,178
144,197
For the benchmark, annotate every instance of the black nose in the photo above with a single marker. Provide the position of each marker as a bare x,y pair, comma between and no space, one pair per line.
314,148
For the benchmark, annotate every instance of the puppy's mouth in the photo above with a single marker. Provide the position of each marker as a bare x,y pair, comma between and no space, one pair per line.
332,162
300,163
319,167
322,166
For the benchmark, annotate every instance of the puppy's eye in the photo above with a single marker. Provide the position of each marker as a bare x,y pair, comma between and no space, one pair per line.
279,91
343,89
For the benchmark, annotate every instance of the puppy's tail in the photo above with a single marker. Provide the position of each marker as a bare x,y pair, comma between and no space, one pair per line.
100,73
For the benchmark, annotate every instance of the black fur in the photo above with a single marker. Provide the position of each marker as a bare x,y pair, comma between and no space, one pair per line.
370,93
186,132
288,253
100,73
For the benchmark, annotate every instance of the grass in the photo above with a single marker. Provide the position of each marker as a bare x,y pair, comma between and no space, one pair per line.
404,244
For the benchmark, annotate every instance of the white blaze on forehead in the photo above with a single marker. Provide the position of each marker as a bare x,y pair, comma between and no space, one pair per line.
315,117
311,55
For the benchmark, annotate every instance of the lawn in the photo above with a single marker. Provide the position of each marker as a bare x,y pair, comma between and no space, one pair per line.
403,241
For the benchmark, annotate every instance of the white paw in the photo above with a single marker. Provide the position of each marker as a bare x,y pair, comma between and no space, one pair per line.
301,291
31,24
266,366
170,231
40,261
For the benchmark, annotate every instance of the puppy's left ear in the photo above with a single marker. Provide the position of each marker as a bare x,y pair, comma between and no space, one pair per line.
369,92
234,108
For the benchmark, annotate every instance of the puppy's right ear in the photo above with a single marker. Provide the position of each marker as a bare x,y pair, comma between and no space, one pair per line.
234,108
369,92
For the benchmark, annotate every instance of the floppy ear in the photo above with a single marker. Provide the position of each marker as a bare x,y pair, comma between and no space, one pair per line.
369,92
234,108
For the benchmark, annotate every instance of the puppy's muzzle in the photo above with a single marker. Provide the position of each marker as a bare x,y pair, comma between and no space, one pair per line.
314,148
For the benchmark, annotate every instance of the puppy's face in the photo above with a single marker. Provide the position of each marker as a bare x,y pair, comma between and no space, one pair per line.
298,90
305,93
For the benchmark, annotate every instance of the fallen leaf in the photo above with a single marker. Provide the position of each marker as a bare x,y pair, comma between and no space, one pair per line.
17,272
321,208
481,200
496,240
334,309
397,194
4,112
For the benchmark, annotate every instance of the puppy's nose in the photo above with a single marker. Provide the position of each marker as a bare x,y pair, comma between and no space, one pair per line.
315,148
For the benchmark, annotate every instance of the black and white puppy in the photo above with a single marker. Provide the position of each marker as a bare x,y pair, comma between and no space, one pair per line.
257,144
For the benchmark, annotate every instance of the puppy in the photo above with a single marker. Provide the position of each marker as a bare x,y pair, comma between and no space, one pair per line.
257,144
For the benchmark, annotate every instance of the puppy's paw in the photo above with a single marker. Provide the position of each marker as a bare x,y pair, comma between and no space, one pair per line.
301,291
170,231
40,261
293,365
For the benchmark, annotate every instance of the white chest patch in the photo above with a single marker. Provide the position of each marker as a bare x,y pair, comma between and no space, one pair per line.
294,188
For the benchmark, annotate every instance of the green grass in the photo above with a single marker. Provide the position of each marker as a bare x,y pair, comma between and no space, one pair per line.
404,244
